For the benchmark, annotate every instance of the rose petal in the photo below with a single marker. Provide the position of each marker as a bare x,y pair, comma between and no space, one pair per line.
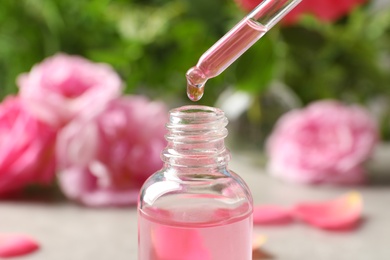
179,244
260,254
339,214
258,241
16,245
257,252
271,215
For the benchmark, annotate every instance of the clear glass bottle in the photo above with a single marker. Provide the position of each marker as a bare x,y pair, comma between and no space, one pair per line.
195,208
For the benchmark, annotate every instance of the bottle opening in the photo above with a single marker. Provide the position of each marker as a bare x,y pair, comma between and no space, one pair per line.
196,137
197,116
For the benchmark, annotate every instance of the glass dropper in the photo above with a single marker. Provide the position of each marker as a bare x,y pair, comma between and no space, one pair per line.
235,42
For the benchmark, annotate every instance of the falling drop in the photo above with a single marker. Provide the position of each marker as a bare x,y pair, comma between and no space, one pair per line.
195,92
196,80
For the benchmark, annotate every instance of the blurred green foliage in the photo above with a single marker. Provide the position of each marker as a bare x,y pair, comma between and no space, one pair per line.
152,43
349,60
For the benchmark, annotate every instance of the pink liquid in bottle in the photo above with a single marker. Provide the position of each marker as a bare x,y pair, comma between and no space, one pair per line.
199,234
222,54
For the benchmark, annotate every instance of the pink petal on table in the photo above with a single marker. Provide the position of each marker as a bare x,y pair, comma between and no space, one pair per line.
339,214
258,253
16,245
258,241
271,215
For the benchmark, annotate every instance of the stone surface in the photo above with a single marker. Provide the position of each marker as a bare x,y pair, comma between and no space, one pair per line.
67,231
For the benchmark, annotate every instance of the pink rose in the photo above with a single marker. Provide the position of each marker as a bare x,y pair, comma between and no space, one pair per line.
26,148
105,160
327,142
61,86
324,10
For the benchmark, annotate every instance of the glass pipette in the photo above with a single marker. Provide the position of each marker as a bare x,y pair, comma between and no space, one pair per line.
234,43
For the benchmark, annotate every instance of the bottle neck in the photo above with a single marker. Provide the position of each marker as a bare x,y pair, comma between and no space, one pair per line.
196,139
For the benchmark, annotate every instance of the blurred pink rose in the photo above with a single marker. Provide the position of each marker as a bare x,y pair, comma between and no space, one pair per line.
104,161
327,142
26,148
61,86
324,10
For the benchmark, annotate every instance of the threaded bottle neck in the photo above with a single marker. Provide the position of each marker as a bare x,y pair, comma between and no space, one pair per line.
196,137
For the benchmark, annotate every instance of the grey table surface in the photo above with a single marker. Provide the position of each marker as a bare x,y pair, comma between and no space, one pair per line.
67,231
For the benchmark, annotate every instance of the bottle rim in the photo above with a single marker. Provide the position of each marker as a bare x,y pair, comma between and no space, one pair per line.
201,117
196,137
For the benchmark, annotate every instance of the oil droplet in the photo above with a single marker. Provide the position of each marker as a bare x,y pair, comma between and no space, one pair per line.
195,92
196,80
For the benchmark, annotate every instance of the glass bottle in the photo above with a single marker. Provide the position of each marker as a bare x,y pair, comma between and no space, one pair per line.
195,208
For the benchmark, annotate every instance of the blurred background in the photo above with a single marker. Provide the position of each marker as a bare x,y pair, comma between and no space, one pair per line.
326,51
152,43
